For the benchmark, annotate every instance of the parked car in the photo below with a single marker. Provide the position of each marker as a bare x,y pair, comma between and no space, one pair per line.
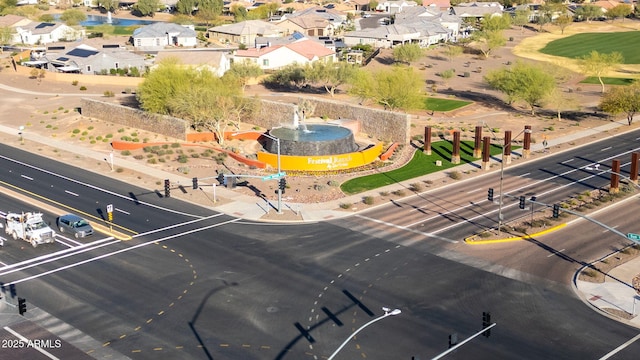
74,225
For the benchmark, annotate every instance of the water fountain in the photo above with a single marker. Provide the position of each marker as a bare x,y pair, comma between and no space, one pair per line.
301,139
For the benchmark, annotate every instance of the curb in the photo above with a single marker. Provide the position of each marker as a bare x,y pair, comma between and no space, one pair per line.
470,240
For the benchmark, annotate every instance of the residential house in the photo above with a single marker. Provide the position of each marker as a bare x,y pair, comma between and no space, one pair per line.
421,14
443,5
34,33
13,21
275,57
423,33
606,5
310,25
477,10
394,6
84,59
161,34
361,5
418,25
245,32
335,17
217,62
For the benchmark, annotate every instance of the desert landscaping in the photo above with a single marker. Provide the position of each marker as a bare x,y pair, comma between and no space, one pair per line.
46,113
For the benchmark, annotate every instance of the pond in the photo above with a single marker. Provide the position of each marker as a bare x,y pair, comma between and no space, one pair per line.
93,20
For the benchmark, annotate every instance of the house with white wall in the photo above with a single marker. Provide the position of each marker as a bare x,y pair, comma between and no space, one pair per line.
35,33
302,52
160,35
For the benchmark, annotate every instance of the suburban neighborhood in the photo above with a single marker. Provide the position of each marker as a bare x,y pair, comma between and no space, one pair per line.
292,34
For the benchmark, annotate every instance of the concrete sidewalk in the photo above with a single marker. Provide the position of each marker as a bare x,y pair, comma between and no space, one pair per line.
615,293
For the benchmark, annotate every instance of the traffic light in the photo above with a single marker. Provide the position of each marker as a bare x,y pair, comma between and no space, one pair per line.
283,184
195,183
221,178
22,306
167,188
556,211
521,202
486,321
490,194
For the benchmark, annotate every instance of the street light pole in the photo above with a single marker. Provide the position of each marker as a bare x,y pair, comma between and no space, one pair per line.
527,131
387,312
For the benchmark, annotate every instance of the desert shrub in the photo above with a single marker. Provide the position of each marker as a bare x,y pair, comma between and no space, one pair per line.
369,200
345,206
126,152
109,93
138,157
455,175
83,88
415,187
182,158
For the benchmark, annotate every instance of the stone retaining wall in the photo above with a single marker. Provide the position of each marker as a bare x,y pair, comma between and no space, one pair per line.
138,119
379,124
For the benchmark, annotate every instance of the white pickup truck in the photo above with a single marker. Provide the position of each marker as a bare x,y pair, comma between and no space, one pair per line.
29,227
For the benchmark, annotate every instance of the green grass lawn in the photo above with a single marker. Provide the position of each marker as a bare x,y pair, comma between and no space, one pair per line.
419,165
439,104
576,46
608,81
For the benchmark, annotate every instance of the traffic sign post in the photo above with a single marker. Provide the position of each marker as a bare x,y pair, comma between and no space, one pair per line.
633,237
110,216
274,176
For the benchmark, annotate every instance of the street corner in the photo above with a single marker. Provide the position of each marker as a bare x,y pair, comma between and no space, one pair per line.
477,240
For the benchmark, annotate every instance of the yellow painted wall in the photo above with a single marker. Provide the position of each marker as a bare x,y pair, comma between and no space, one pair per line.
322,163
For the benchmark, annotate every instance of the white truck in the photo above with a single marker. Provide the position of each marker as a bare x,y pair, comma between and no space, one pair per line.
29,227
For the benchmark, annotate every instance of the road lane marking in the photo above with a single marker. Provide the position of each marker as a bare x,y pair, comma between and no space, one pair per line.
567,161
84,248
555,253
27,177
607,148
112,193
525,174
100,257
619,348
71,193
408,229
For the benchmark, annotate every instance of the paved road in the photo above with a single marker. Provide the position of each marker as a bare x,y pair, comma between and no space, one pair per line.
227,288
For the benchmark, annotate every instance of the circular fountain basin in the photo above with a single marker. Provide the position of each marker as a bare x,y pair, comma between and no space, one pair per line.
312,140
